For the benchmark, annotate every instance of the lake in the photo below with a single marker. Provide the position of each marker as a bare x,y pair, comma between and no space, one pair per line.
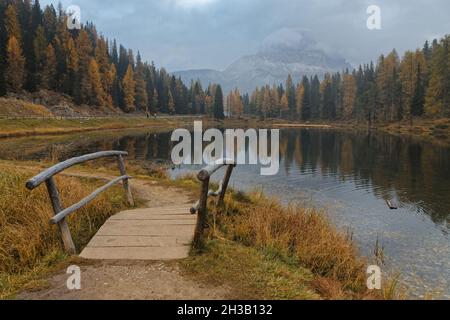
350,175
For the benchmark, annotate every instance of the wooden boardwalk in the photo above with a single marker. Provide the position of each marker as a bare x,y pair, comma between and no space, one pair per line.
159,232
164,233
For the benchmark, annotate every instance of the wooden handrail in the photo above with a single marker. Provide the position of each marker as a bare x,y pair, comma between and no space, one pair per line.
61,214
202,205
47,174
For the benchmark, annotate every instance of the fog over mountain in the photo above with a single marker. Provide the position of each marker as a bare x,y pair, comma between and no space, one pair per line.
284,52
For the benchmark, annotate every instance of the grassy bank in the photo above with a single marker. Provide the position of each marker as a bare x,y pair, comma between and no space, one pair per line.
264,250
437,131
29,245
255,246
53,126
23,127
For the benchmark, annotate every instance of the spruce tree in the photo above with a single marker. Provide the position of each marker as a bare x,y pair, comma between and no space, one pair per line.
218,104
49,70
15,71
40,47
306,105
97,95
141,97
128,88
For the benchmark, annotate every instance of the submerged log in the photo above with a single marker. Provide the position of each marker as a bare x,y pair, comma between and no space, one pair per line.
392,205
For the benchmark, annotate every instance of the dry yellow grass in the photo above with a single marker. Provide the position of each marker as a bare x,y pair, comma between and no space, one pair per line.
299,236
27,240
14,108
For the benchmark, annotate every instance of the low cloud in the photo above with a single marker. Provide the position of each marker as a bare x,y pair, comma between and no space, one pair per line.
182,34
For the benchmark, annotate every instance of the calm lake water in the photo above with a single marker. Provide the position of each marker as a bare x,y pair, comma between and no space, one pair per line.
349,174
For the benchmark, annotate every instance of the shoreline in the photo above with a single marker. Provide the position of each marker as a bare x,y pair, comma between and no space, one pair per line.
436,131
246,254
42,127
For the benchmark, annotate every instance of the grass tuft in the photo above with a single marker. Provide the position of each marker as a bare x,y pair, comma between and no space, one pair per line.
28,242
300,241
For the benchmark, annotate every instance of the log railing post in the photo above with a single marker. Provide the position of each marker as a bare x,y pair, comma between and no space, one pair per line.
57,208
202,214
225,183
126,183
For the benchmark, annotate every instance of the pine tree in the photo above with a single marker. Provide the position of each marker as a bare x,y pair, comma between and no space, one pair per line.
299,100
171,104
435,101
418,101
315,98
155,101
275,101
349,95
411,80
12,26
237,107
129,90
111,82
50,21
284,105
141,97
290,94
102,59
49,70
72,85
84,51
40,47
306,105
389,87
97,95
328,109
218,104
15,71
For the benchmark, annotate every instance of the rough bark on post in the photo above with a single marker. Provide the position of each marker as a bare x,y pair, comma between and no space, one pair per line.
126,183
225,183
57,208
202,214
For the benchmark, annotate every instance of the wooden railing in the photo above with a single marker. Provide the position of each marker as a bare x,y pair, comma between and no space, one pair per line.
202,205
60,214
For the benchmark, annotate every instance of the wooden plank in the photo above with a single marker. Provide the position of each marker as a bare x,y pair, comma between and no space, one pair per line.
152,216
125,223
136,253
180,210
132,241
138,230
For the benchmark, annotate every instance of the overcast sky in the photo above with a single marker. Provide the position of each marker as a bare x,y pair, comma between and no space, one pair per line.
186,34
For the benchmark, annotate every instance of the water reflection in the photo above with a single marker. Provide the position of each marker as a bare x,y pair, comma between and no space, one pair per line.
413,172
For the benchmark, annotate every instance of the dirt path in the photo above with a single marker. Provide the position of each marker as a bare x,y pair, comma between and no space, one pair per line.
131,280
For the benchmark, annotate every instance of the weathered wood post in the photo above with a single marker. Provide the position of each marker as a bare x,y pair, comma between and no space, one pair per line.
202,214
57,208
126,183
225,183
